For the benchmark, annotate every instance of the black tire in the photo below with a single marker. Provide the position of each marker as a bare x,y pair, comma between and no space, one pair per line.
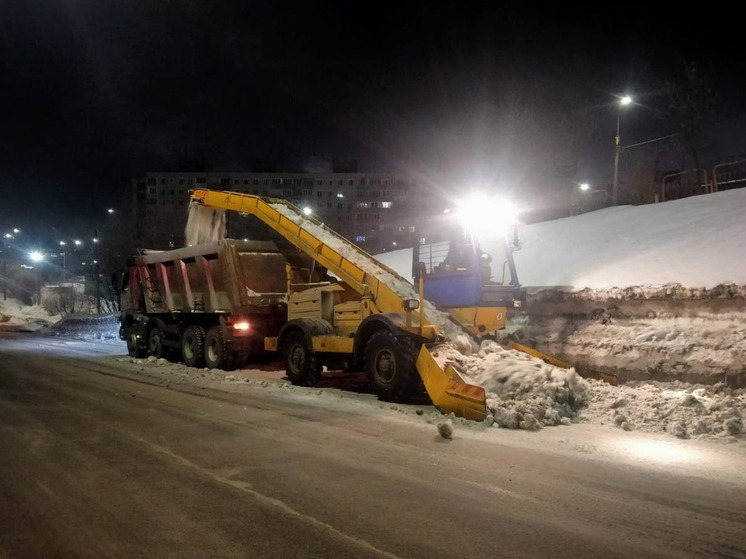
390,367
134,347
193,346
217,354
301,364
155,343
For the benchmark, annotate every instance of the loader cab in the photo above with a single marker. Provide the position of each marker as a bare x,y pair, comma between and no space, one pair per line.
456,272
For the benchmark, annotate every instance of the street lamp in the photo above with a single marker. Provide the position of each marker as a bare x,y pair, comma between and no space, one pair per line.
307,211
37,257
585,186
623,102
6,248
110,211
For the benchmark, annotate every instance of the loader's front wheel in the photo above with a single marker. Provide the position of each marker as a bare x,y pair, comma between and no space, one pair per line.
390,367
301,364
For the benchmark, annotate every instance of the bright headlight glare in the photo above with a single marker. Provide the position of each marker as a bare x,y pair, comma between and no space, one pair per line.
483,212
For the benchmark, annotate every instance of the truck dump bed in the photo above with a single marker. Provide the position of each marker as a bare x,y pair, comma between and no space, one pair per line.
227,276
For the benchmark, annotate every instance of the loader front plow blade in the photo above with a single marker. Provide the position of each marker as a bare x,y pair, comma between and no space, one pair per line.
448,391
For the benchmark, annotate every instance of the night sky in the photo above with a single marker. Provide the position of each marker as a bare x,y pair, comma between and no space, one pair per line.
96,92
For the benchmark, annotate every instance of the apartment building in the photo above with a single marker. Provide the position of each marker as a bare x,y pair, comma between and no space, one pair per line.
376,211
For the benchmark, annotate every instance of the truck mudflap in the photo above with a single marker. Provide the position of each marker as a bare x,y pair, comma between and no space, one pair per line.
448,391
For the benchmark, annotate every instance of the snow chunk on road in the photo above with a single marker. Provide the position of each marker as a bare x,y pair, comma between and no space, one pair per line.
680,409
522,391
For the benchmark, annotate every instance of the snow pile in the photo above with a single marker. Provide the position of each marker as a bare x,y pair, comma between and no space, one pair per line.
707,348
86,327
16,315
680,409
522,391
695,242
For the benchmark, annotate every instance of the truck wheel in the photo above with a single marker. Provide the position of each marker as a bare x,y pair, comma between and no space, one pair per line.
301,365
134,347
390,367
217,354
155,343
193,346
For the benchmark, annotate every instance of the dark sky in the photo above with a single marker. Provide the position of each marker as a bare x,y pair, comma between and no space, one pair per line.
95,92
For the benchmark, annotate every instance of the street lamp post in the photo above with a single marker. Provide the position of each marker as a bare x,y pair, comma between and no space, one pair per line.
37,257
6,247
623,102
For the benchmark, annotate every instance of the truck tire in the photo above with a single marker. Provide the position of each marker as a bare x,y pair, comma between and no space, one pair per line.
217,354
134,347
301,365
155,343
390,367
193,346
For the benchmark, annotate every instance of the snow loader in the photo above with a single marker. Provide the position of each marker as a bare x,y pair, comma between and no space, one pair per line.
348,310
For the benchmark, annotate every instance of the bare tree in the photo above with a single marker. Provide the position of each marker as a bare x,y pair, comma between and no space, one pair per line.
692,104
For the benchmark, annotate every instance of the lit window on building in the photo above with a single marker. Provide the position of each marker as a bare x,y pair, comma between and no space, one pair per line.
360,239
385,204
363,204
340,195
411,228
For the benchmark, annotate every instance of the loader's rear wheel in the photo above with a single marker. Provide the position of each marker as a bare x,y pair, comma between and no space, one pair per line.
193,346
155,343
301,364
217,353
390,367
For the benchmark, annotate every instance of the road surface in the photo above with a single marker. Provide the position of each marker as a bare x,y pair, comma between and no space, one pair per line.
97,461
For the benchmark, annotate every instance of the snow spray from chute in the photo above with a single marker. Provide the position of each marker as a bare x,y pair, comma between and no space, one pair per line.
204,224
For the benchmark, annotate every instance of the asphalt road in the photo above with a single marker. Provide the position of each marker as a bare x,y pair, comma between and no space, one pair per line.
98,462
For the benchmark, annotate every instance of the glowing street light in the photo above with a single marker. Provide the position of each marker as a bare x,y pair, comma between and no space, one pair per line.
8,236
110,211
36,256
623,102
62,243
16,231
585,186
95,239
307,210
77,242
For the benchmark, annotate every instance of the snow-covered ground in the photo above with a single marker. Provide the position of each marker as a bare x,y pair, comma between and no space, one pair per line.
523,393
16,315
696,242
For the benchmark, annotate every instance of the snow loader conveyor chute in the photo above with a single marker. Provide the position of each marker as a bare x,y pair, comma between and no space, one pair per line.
373,294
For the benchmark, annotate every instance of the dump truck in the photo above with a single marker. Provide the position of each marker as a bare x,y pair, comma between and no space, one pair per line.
210,305
348,310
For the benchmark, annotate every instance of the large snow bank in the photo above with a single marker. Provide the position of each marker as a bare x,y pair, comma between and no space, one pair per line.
522,391
696,242
15,314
